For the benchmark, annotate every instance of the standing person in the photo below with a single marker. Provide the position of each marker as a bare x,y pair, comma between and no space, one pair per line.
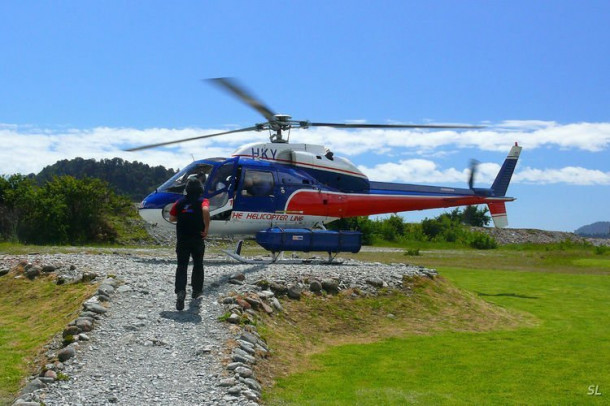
191,214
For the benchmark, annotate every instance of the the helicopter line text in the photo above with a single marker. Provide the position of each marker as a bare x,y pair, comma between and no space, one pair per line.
265,216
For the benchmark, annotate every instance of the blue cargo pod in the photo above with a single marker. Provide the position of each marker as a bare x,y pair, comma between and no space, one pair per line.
277,239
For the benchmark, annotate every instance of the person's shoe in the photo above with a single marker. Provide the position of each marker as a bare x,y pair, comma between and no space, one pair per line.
180,300
196,294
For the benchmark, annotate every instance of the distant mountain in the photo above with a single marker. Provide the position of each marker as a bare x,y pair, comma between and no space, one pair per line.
600,229
132,179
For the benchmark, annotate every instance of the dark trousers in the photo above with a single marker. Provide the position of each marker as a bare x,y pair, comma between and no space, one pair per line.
194,248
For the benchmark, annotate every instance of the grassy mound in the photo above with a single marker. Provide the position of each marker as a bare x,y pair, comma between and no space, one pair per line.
316,324
31,313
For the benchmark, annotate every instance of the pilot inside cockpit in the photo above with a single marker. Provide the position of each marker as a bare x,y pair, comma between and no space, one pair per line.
257,184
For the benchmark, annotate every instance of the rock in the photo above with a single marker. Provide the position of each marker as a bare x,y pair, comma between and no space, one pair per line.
244,372
227,382
32,386
96,308
83,337
4,271
278,289
253,384
112,282
50,374
249,337
254,302
266,294
245,358
268,309
204,350
48,268
84,324
294,292
70,331
61,280
106,290
238,277
124,289
247,347
276,304
244,304
315,286
32,272
92,316
330,285
234,318
21,402
234,390
234,365
103,298
228,300
87,276
376,282
251,395
66,353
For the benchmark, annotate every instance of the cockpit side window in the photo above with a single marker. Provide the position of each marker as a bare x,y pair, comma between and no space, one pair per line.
221,179
177,183
257,183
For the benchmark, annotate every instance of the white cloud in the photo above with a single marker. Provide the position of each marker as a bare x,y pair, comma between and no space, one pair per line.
27,149
592,137
426,171
568,175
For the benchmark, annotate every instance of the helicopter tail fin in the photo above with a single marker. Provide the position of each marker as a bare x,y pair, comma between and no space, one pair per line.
498,214
500,185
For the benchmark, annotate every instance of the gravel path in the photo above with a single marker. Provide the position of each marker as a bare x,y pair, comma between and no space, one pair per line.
143,351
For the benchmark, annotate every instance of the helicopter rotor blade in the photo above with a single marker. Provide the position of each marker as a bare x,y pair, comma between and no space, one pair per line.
474,166
192,139
437,126
233,87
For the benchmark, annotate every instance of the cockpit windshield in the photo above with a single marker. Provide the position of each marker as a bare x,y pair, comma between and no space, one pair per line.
177,183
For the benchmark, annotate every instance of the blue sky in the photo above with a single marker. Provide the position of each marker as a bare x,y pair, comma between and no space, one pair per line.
90,78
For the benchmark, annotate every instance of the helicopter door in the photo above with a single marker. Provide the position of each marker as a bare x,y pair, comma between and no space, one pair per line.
219,189
256,192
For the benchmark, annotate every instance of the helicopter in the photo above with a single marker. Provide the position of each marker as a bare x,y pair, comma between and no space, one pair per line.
305,186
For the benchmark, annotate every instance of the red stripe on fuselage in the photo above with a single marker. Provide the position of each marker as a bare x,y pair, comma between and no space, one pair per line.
320,203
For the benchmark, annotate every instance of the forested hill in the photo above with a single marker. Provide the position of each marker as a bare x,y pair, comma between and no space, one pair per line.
600,229
132,179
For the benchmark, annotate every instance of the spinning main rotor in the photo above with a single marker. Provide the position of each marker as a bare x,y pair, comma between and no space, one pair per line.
278,124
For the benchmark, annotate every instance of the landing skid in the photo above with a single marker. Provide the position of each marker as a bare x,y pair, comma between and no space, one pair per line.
278,258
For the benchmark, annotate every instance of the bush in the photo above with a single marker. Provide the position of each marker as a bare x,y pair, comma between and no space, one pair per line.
63,211
482,241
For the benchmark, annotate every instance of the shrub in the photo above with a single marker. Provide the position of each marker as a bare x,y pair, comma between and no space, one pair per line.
482,241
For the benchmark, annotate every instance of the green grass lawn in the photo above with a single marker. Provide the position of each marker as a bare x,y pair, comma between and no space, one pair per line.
554,362
31,313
